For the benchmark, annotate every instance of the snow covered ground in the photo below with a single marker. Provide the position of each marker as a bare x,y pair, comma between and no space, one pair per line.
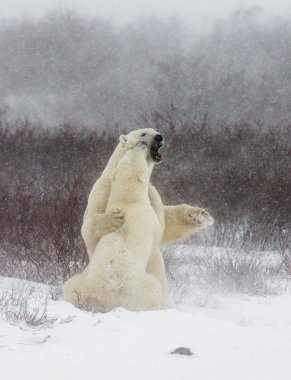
232,337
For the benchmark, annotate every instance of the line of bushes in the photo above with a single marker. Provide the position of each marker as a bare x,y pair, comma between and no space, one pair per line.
240,173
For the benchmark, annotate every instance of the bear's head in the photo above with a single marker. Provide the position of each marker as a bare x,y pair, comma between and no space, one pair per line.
152,138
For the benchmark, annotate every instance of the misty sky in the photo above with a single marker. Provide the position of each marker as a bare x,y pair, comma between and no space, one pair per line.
124,10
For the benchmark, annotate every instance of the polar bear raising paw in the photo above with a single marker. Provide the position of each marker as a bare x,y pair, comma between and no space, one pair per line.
172,223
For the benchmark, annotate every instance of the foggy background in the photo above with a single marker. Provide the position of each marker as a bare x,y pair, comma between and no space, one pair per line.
124,11
215,81
68,66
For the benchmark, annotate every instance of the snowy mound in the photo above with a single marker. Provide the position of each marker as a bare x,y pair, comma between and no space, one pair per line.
231,338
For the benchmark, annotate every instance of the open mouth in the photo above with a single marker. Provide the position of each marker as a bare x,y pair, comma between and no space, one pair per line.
154,151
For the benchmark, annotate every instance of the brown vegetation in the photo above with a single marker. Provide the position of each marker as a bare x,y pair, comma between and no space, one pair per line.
238,172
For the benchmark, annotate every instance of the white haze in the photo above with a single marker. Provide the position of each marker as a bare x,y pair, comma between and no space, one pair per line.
72,64
201,11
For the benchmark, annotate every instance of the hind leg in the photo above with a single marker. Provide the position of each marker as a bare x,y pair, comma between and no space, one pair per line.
147,296
76,292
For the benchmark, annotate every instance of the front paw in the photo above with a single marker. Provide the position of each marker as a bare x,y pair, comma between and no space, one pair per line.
198,216
114,219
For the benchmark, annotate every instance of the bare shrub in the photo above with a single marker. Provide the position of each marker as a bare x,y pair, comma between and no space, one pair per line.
56,292
19,304
286,261
195,271
240,173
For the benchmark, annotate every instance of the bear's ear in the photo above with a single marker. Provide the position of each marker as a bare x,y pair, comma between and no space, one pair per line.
123,138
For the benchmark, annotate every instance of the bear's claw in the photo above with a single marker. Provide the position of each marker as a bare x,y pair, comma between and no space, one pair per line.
116,219
198,216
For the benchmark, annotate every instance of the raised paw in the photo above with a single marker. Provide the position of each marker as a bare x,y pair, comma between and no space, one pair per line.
198,216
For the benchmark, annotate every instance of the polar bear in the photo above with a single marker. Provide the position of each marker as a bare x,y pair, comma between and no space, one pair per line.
97,222
116,274
176,222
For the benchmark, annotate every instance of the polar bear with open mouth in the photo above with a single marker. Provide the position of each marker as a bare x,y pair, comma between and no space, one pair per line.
101,219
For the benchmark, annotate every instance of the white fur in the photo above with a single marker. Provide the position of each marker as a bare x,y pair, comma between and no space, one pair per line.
174,222
116,275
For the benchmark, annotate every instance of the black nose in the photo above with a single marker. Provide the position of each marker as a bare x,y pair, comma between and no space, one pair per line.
158,138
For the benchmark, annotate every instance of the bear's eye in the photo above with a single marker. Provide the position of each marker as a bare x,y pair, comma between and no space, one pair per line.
143,134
